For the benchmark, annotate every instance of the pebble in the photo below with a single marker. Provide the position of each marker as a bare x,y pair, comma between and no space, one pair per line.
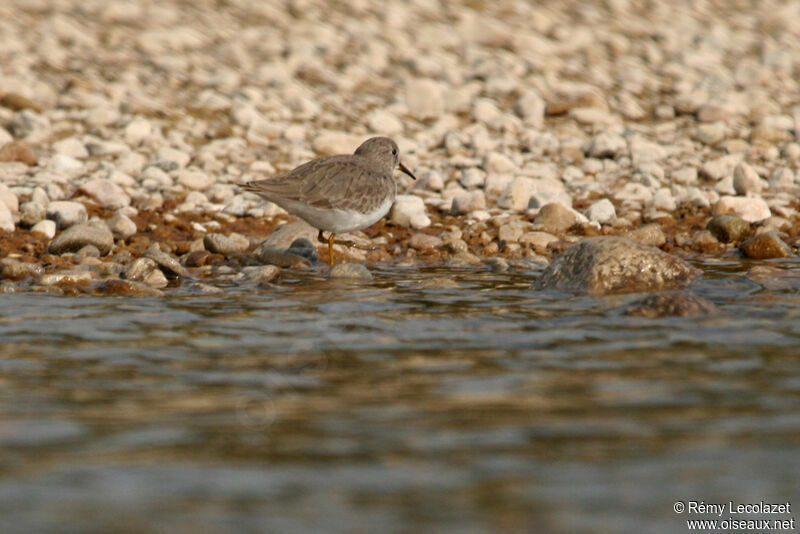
717,169
497,163
751,209
409,211
420,241
137,130
467,202
155,278
728,228
18,151
350,271
17,270
46,227
274,256
285,235
226,245
78,236
194,179
304,248
607,145
766,245
649,234
537,240
121,226
424,98
601,211
6,219
66,277
607,265
556,218
746,180
66,213
170,265
71,147
116,286
106,193
262,274
139,268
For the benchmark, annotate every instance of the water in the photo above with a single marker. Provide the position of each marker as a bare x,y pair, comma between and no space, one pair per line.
401,405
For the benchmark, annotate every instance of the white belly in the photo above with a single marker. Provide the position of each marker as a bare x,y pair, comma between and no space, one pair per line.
336,221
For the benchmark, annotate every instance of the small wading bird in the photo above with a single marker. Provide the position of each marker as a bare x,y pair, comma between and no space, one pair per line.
338,194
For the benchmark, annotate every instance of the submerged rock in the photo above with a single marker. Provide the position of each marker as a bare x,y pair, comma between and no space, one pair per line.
605,265
351,271
671,304
115,286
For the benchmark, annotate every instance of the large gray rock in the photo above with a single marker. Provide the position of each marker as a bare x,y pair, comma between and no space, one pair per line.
605,265
78,236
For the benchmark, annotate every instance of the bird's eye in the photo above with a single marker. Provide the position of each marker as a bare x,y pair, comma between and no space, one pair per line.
394,152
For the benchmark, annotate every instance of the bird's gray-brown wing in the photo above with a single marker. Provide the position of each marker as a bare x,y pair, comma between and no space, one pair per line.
341,182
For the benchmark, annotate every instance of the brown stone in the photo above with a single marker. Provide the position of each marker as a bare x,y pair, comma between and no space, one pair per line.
766,246
18,151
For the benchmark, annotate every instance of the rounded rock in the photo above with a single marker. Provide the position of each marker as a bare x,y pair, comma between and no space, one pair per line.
78,236
765,246
350,271
608,265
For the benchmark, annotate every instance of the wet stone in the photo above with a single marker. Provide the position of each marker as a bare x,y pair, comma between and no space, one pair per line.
350,271
262,274
17,270
115,286
205,289
78,236
728,228
155,278
671,304
607,265
66,277
170,265
765,246
138,268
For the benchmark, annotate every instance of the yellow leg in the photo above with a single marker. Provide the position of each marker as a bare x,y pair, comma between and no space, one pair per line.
330,249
